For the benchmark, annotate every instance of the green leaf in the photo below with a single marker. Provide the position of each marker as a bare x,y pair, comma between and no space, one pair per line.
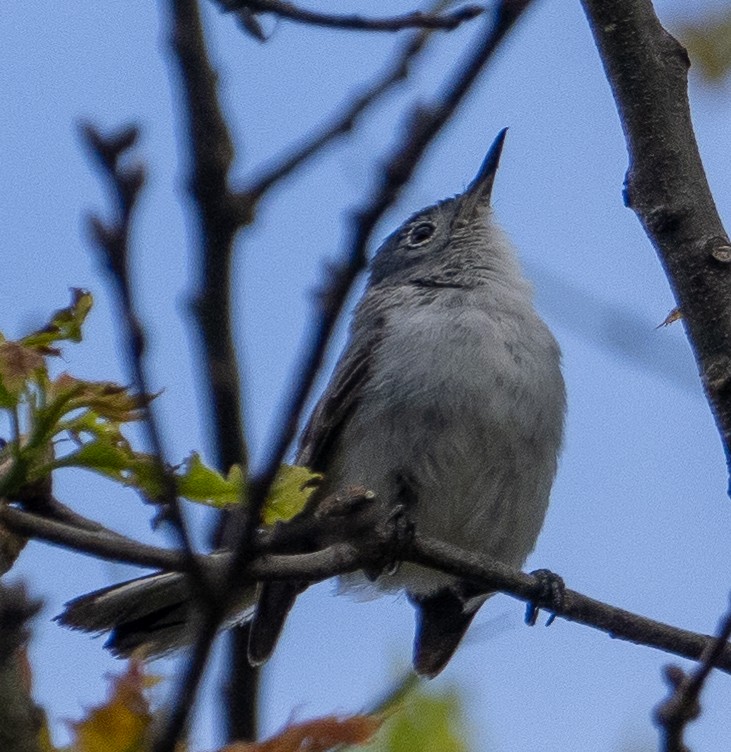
290,491
425,721
65,324
200,483
101,457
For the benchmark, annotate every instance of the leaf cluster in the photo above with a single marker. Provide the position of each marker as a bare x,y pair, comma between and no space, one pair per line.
63,421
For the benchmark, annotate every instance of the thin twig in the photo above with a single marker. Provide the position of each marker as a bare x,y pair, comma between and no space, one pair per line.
112,242
114,547
445,21
341,123
683,705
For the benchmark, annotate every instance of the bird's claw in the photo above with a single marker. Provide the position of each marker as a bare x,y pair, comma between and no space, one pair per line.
549,597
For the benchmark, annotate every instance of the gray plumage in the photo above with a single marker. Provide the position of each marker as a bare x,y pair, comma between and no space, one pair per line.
448,397
448,400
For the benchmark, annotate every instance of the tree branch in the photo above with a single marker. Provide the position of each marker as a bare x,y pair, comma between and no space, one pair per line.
344,557
341,123
617,622
416,19
220,213
666,185
112,243
683,705
111,547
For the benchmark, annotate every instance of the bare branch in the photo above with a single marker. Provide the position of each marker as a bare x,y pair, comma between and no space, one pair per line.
112,546
666,185
344,557
341,123
220,213
112,242
683,705
616,622
416,19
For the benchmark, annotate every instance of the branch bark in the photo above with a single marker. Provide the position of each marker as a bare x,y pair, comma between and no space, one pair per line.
666,185
353,22
220,213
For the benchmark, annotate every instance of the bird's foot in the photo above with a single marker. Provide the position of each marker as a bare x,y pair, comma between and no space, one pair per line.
550,596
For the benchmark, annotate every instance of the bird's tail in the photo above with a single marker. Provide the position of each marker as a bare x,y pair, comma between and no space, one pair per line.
152,615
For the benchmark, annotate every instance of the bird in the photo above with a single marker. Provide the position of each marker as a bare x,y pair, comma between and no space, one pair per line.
447,403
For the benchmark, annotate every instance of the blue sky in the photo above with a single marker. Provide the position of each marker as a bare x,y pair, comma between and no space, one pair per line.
639,514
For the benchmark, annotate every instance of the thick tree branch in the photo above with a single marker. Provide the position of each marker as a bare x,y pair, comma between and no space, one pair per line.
666,185
416,19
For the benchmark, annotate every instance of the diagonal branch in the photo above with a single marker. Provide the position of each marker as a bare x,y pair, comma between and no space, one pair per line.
666,185
416,19
683,705
342,122
112,243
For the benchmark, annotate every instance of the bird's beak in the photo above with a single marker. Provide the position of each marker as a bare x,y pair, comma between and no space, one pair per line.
479,191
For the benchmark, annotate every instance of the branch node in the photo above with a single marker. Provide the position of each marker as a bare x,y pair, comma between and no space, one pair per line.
720,250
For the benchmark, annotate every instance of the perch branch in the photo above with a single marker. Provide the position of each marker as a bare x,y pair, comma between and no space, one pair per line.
346,557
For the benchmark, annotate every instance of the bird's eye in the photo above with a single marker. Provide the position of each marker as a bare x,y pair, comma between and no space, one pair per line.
421,233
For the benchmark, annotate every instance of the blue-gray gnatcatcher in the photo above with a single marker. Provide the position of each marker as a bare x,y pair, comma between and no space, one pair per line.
448,400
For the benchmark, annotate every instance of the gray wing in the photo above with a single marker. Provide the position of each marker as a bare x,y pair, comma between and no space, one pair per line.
337,405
